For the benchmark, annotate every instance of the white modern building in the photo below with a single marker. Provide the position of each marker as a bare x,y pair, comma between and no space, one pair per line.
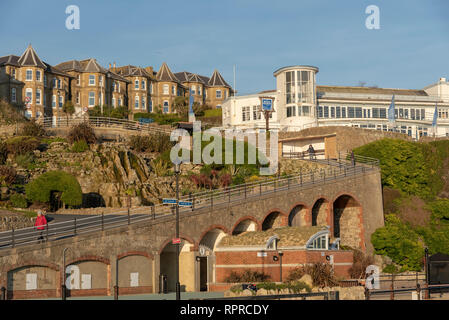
300,103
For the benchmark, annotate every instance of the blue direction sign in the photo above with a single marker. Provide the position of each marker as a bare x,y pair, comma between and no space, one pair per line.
169,201
267,104
185,203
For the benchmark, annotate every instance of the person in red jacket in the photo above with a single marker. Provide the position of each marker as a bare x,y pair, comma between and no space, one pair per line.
40,225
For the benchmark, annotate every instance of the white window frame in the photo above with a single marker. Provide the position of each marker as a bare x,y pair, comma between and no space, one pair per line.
142,84
91,79
53,101
113,102
136,84
173,90
78,97
91,96
60,101
78,80
38,78
218,96
165,105
136,102
166,89
39,96
143,103
31,75
193,90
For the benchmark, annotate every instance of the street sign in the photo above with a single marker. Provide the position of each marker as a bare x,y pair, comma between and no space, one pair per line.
176,240
169,201
27,99
185,203
267,104
85,109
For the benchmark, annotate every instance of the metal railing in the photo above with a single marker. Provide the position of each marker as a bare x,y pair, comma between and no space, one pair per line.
103,122
427,289
331,295
337,169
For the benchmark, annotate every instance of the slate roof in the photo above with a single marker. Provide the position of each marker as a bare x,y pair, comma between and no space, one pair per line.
186,76
217,80
30,58
130,71
87,65
165,74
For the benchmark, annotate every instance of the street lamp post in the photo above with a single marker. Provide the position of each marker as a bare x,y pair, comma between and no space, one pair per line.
63,287
178,286
280,264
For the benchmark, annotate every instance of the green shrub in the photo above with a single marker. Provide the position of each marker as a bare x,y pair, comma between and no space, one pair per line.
155,142
8,175
399,242
18,201
25,160
411,167
11,114
80,146
39,190
247,276
213,113
52,139
21,145
82,131
120,112
32,129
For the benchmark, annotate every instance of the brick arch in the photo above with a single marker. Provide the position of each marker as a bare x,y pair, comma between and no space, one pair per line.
89,258
32,263
359,215
284,217
308,214
134,253
168,241
329,209
211,227
258,224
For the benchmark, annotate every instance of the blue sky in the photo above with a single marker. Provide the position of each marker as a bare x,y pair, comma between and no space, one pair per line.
410,50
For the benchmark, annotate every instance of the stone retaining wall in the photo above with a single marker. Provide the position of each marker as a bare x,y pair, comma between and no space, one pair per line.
8,222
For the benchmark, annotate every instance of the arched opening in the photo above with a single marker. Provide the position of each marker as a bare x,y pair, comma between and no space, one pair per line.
33,280
297,217
206,257
347,223
319,212
135,273
273,220
87,277
186,260
244,226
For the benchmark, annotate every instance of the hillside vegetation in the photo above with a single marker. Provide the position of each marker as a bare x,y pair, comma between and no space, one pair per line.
415,182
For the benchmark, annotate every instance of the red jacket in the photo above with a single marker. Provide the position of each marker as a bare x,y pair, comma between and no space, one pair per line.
40,222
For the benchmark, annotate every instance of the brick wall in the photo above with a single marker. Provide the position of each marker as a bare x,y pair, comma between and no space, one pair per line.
239,261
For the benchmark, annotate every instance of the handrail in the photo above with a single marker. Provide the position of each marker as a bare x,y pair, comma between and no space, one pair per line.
338,169
62,122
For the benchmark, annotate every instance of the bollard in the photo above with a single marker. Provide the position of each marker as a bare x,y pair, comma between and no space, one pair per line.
367,294
115,292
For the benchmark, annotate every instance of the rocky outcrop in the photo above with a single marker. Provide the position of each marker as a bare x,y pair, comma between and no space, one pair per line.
110,174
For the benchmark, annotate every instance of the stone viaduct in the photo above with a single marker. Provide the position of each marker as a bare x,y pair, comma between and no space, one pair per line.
133,256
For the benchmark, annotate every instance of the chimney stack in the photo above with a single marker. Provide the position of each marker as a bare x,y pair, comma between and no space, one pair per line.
109,65
114,64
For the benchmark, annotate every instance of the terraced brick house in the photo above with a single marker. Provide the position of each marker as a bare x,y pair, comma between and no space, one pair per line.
94,85
27,78
142,86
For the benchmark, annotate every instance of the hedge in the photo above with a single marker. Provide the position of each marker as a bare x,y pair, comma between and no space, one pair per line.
40,189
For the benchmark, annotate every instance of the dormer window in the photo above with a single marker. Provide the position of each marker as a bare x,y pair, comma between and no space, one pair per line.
272,243
319,241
